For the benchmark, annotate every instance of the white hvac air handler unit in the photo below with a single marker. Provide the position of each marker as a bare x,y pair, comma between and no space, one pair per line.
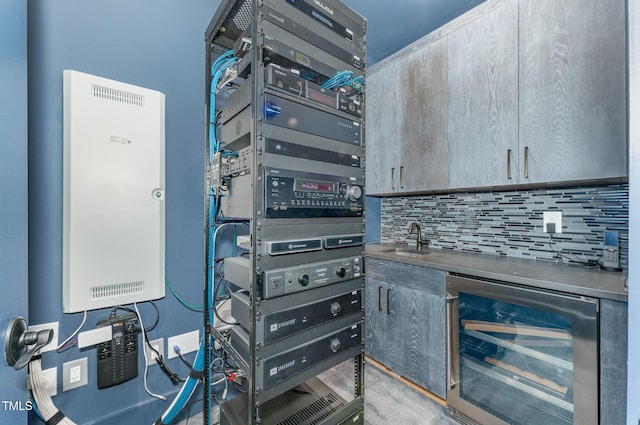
113,232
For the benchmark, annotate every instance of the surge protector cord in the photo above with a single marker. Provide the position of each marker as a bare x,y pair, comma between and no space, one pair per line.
146,361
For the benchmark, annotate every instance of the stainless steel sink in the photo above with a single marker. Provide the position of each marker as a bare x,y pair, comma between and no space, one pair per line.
407,252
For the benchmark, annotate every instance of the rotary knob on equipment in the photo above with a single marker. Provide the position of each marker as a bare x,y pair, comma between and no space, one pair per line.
334,344
354,193
335,308
303,280
341,272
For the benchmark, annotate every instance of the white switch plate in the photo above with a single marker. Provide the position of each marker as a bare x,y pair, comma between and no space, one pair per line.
54,341
187,342
552,217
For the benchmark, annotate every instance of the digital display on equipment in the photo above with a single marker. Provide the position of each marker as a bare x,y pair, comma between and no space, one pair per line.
322,98
315,186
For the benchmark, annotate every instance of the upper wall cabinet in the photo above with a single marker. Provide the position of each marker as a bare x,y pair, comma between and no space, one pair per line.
512,92
384,119
423,136
483,100
573,85
407,123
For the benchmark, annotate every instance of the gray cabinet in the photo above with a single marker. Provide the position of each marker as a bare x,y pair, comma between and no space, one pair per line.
573,89
406,123
614,324
513,92
383,122
483,100
423,135
405,321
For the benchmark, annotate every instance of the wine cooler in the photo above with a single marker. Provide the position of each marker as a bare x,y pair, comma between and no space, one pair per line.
521,356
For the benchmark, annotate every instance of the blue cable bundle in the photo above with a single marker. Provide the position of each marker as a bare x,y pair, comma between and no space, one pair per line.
218,68
342,78
186,391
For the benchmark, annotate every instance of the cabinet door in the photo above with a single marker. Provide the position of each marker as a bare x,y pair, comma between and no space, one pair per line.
375,323
384,117
406,330
483,100
573,108
423,135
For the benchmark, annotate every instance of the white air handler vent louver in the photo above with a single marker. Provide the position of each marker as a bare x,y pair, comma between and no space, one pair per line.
113,231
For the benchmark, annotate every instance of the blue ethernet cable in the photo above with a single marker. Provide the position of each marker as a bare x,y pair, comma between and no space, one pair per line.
220,65
217,72
340,79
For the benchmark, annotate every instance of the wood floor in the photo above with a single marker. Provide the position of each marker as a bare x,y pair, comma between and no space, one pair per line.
389,398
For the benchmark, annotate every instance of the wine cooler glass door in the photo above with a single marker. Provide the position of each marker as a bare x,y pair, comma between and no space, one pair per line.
522,356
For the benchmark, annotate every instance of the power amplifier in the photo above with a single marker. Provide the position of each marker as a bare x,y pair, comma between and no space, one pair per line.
274,369
295,150
289,280
297,194
284,323
326,40
350,27
295,116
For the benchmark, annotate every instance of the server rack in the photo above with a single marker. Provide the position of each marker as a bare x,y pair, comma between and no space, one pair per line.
285,155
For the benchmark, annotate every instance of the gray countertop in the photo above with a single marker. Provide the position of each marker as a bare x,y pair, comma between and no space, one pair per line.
590,282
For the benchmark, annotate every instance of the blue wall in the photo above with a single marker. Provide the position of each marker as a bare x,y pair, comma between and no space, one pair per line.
13,192
157,44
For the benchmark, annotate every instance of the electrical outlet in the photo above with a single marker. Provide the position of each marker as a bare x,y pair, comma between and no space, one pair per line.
158,345
555,219
53,344
74,374
187,342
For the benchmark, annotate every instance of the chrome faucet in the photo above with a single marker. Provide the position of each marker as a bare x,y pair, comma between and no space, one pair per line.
419,241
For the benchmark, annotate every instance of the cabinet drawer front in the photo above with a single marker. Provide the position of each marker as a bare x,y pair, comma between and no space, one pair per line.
407,275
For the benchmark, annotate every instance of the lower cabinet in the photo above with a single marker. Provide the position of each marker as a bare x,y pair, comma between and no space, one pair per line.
405,322
614,323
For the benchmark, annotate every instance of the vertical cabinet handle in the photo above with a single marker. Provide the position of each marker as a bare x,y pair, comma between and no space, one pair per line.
508,164
451,383
388,306
401,172
526,162
393,185
379,298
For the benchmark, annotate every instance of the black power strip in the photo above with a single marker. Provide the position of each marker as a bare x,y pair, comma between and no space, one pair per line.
118,358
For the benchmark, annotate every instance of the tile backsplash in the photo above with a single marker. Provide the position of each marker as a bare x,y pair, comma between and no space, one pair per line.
510,222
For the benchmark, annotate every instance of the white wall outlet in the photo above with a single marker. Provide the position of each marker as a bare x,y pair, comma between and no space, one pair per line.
75,374
158,345
187,342
54,341
554,218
